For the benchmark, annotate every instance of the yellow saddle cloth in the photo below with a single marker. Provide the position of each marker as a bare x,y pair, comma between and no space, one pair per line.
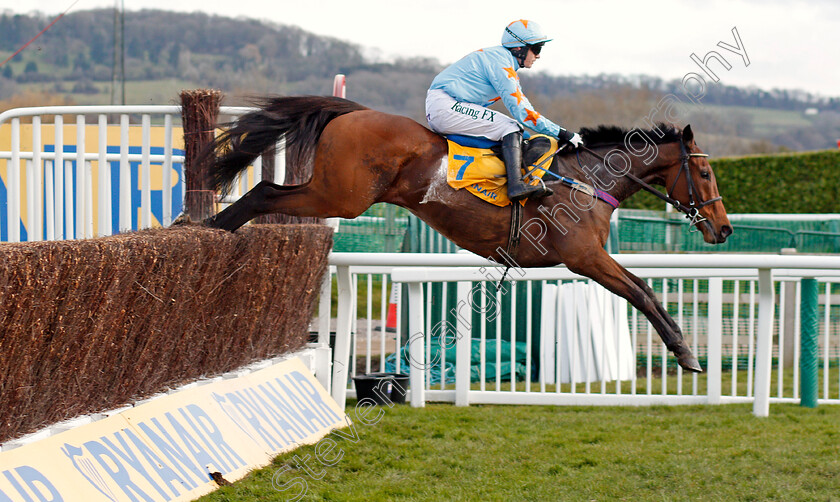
481,172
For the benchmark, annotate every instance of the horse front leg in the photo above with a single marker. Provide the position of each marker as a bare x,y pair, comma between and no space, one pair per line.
607,272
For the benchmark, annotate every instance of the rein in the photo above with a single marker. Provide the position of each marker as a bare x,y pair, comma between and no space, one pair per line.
692,211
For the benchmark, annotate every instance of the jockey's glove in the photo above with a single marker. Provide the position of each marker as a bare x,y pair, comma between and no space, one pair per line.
568,137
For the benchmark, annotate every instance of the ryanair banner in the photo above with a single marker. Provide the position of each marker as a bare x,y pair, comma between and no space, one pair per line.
171,448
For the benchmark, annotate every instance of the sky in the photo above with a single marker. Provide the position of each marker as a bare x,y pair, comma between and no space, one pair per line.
788,44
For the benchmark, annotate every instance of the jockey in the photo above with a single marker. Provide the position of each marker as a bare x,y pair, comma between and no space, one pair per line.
457,99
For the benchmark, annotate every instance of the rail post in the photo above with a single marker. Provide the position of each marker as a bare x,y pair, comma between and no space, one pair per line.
417,357
341,353
463,345
714,362
764,343
809,346
324,314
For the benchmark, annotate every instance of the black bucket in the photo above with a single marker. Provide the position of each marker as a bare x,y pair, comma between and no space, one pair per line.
382,388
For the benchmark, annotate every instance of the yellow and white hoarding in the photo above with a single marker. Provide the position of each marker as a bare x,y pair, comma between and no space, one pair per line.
167,448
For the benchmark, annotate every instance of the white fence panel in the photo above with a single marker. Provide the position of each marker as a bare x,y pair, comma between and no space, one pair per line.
725,303
59,198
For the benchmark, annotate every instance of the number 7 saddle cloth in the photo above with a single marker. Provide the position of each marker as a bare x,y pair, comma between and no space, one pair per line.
480,169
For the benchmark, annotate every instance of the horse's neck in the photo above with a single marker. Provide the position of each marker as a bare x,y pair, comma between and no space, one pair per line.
593,171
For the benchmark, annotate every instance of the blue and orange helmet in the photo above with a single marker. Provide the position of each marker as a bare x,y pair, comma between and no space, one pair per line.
523,33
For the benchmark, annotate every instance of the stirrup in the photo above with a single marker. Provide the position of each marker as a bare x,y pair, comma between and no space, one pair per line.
544,190
527,191
530,191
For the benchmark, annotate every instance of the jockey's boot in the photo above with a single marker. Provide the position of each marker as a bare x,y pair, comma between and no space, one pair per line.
512,155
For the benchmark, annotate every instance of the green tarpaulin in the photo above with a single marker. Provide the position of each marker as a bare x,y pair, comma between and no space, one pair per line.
443,351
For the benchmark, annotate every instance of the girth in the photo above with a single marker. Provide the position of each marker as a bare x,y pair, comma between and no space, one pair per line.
515,230
513,240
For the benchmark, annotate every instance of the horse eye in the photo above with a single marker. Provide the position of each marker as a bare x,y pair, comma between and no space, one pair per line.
705,175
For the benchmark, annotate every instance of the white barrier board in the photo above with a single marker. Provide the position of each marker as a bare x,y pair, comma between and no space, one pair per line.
165,449
586,328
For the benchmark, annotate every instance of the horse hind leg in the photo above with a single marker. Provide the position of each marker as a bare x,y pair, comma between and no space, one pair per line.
649,292
267,198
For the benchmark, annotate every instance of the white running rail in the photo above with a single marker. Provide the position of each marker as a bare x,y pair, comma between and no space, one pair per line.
738,302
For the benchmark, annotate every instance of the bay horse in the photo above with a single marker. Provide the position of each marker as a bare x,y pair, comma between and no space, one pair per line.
360,156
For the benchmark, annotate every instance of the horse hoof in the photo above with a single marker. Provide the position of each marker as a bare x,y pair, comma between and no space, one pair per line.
183,219
690,363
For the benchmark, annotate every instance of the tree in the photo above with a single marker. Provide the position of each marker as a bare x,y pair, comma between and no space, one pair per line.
82,62
31,67
174,54
7,72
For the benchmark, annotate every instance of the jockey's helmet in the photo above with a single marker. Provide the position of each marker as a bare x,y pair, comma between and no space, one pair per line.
523,33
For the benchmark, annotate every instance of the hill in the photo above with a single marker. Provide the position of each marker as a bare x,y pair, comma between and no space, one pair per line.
168,51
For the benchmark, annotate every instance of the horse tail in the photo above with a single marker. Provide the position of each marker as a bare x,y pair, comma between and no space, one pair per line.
300,119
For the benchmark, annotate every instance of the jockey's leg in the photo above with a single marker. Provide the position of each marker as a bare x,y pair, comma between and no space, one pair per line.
446,115
512,155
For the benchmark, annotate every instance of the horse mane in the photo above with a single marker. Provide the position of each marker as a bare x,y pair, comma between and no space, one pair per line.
605,135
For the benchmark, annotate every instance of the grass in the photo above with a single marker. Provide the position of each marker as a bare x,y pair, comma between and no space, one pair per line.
158,92
443,452
141,92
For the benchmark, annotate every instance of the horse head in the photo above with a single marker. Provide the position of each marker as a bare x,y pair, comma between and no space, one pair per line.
691,181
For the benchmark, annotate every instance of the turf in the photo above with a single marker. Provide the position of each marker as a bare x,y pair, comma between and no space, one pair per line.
443,452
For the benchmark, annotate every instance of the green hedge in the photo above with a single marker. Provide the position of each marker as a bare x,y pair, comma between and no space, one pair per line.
783,183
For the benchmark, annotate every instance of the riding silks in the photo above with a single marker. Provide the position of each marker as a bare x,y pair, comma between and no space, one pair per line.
482,172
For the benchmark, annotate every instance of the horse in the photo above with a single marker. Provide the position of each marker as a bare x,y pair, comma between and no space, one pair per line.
359,156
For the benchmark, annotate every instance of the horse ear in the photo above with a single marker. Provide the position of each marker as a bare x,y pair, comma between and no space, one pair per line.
687,135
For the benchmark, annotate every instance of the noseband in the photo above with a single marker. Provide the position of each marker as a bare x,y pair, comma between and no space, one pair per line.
692,210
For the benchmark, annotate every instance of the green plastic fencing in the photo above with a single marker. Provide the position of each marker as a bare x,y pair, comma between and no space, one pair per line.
381,229
421,238
657,231
388,228
643,231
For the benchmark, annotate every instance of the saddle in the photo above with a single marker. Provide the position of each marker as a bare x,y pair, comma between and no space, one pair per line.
476,164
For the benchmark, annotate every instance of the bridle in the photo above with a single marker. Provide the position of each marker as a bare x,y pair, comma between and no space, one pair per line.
692,210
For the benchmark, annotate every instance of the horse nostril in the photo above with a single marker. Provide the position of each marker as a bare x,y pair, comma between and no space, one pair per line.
725,231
